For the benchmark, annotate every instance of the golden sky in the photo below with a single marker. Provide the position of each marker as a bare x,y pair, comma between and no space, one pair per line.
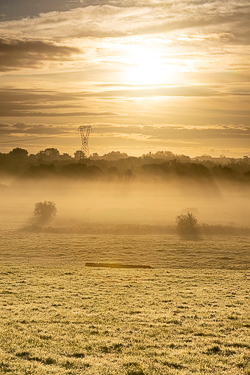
148,75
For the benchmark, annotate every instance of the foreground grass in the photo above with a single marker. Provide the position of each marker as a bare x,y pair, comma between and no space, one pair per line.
159,251
75,320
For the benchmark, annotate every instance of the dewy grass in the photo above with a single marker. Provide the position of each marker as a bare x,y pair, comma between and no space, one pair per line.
75,320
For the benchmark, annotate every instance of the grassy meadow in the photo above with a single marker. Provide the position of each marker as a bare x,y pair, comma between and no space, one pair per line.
187,315
70,319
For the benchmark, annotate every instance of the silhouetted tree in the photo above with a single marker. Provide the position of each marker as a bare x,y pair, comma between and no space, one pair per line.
187,225
18,153
65,156
44,211
41,170
49,154
115,155
16,161
223,171
79,155
80,170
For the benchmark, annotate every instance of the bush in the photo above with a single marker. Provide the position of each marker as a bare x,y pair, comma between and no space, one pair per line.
187,225
45,210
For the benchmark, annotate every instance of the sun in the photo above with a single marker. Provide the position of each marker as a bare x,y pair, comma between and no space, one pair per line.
147,67
148,72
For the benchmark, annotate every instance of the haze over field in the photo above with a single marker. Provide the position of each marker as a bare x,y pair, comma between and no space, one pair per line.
115,188
125,203
152,189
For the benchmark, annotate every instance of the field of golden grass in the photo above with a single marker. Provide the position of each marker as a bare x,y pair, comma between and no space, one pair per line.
71,319
187,315
161,251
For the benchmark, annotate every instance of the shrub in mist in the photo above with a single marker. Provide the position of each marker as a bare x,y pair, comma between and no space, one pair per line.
44,211
187,225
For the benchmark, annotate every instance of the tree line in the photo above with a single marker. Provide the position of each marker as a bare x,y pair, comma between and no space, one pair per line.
119,166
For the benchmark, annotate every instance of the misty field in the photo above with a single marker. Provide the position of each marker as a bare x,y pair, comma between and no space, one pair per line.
187,315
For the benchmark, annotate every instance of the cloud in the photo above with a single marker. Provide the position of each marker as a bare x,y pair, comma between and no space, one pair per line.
16,9
192,33
21,128
35,103
18,54
129,136
115,19
189,90
13,113
128,131
228,103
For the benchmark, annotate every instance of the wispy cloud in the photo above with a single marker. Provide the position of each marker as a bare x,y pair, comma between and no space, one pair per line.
128,131
192,35
189,90
113,19
38,103
21,128
19,54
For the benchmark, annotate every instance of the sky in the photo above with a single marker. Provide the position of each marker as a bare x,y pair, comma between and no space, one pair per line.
147,75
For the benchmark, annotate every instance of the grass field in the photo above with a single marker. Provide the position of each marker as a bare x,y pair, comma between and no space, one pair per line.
70,319
188,315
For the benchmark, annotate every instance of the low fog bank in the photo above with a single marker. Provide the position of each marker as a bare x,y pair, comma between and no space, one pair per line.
78,227
125,207
163,166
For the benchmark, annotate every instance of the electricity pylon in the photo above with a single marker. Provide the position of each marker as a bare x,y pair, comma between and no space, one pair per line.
85,130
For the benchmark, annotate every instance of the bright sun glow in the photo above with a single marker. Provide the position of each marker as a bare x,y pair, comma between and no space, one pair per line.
147,67
148,72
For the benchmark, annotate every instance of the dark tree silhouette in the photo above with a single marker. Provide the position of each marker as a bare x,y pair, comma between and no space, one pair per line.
163,165
49,154
18,153
187,225
44,211
41,170
79,155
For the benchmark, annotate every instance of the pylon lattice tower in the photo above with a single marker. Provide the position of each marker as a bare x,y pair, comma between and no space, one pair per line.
85,131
